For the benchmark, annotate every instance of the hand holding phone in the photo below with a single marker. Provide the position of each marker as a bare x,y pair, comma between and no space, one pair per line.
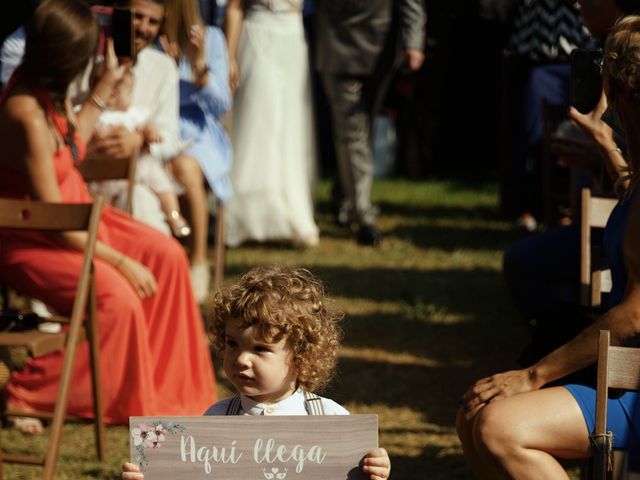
116,23
586,79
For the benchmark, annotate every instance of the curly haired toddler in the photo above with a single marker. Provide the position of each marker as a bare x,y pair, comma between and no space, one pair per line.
279,342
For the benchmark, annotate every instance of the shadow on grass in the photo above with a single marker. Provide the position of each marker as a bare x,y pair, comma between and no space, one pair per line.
429,382
431,464
451,239
474,291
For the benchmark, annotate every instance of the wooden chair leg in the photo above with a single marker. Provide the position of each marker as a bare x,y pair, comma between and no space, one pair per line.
218,274
93,336
60,412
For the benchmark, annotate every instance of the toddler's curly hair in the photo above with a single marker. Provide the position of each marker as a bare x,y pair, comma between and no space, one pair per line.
284,302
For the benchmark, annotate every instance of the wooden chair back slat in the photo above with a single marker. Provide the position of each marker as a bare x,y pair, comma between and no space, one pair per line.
594,213
618,367
624,368
24,214
599,211
98,170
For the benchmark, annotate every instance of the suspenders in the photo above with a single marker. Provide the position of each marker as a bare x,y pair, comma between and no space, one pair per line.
312,404
234,406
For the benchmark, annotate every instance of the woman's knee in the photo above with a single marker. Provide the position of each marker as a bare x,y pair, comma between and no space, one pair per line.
187,170
464,428
494,432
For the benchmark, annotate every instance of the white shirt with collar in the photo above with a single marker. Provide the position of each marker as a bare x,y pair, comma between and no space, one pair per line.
156,91
293,405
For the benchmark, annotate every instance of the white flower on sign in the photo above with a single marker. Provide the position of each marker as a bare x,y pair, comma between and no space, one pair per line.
152,436
144,436
161,434
275,474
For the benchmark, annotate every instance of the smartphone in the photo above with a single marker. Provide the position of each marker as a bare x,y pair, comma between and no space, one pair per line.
116,23
122,32
586,78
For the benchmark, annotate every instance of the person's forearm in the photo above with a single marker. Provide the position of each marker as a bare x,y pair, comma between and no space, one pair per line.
93,107
232,26
614,161
623,321
78,241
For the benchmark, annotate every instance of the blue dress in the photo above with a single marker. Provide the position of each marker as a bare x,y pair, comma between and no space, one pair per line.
623,411
200,110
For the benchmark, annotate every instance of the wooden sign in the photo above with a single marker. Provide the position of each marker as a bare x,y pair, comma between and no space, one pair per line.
252,447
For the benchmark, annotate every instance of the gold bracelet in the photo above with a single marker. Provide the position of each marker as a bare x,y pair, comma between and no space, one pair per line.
120,261
617,149
98,102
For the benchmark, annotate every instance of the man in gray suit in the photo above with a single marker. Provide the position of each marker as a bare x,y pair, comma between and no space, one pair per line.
359,44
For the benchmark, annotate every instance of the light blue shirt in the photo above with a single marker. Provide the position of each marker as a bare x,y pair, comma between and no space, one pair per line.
200,111
11,54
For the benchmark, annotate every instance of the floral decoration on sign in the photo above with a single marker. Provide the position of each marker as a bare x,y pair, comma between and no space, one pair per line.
275,474
151,436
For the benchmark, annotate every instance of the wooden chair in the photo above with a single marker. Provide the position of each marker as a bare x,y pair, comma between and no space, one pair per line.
56,217
618,367
97,170
218,249
595,278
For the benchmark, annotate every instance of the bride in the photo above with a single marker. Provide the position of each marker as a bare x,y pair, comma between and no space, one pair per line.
272,132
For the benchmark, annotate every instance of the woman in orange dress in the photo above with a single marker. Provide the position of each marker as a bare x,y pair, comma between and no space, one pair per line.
154,357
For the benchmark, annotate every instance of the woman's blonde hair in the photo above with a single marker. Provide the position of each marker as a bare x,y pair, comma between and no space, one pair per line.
284,302
622,54
181,16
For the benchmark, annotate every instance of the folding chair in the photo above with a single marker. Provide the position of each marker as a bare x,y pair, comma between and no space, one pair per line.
57,217
218,249
618,367
595,277
97,170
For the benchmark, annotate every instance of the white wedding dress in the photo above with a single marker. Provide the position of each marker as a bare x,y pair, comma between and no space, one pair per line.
273,137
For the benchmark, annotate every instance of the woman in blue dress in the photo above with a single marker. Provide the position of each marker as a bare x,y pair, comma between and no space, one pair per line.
201,54
509,425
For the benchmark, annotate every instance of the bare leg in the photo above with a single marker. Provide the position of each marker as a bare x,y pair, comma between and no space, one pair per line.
171,208
518,437
168,202
187,172
480,469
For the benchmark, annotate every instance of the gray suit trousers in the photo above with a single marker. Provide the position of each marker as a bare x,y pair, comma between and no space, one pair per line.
354,100
352,139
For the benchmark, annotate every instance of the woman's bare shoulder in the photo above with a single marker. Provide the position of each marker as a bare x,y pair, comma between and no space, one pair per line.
24,129
22,112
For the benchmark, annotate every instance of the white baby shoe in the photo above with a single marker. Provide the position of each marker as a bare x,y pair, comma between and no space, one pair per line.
200,279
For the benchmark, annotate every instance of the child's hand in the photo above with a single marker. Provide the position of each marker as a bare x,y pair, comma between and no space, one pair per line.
377,464
151,134
131,471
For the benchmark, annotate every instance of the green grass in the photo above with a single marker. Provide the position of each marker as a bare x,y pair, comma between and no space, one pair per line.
427,314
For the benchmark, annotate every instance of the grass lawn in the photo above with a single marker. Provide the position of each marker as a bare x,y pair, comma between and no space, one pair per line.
426,314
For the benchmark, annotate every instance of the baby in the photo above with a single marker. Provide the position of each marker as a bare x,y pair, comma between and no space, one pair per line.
149,170
279,342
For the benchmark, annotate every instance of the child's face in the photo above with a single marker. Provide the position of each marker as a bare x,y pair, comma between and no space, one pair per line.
258,369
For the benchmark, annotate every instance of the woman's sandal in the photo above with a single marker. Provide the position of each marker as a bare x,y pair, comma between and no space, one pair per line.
28,425
179,226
